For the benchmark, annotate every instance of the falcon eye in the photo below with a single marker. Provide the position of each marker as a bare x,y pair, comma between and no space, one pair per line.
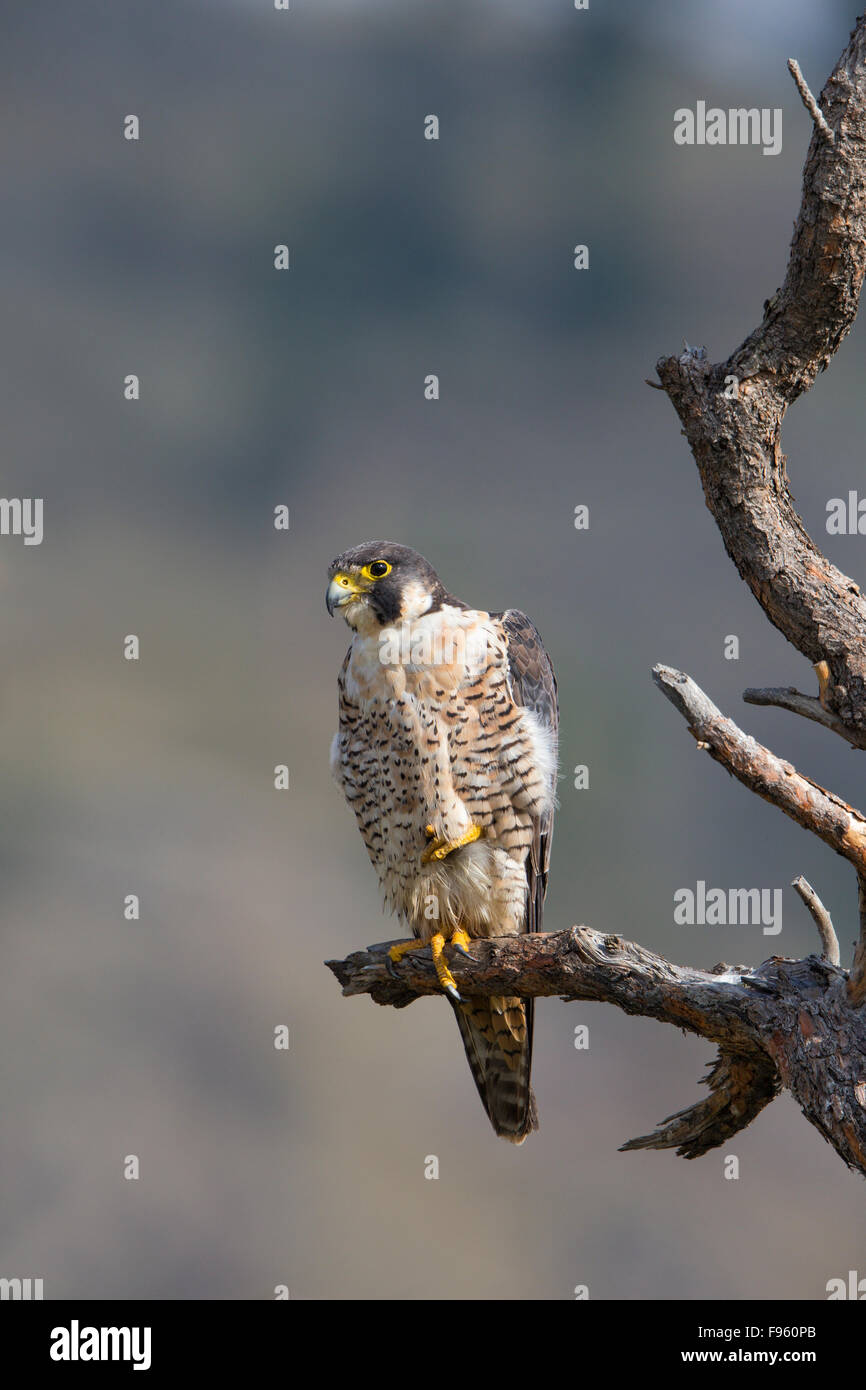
378,569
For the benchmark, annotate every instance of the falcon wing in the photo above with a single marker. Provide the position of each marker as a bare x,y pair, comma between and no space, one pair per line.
533,685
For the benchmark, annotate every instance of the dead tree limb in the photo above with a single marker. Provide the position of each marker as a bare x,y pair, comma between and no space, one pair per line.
576,964
732,412
821,917
829,817
786,697
808,100
774,1026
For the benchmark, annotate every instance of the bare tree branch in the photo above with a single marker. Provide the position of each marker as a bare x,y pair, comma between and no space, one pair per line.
578,964
732,412
732,415
779,1025
839,825
821,917
829,817
786,697
740,1084
809,101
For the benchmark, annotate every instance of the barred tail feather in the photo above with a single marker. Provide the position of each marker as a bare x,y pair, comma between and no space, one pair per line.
497,1036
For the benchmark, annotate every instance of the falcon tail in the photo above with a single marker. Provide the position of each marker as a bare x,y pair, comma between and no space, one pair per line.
497,1036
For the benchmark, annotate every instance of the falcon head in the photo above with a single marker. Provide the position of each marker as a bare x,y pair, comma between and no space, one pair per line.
380,583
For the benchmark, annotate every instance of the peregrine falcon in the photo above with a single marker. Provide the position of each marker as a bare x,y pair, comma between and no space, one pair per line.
446,752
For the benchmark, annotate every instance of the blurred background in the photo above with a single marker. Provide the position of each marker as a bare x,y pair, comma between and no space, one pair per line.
154,1037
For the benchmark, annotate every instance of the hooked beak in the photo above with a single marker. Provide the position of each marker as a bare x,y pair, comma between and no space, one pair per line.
342,589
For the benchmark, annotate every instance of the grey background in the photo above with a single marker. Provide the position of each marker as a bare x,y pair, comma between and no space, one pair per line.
261,1167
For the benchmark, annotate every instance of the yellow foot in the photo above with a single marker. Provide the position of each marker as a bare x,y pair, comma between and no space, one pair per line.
437,943
402,948
439,849
460,939
443,974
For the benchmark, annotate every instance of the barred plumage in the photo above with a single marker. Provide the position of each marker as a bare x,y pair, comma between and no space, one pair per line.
448,730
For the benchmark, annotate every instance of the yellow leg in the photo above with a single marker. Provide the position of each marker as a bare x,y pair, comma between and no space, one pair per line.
439,849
